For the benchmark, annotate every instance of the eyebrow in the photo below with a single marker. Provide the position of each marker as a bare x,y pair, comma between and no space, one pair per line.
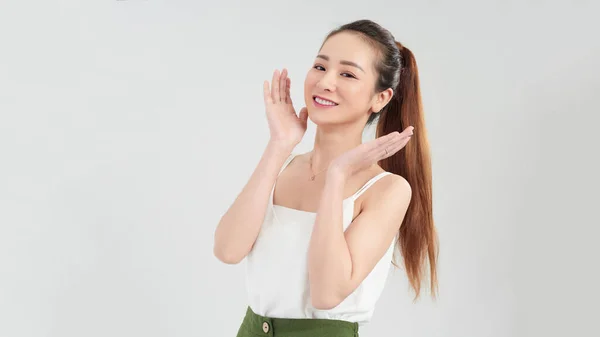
349,63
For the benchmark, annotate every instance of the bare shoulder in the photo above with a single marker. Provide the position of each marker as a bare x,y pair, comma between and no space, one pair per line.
392,189
399,184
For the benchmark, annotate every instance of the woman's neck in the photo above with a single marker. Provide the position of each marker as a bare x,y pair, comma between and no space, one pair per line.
329,146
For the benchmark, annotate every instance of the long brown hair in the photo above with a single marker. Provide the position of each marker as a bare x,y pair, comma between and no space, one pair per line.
397,69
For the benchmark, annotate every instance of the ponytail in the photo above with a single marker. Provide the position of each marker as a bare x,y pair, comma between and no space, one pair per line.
418,241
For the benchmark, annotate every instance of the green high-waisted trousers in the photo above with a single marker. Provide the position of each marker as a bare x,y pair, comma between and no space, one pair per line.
255,325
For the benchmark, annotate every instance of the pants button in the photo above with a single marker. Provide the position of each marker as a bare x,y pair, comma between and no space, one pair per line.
266,327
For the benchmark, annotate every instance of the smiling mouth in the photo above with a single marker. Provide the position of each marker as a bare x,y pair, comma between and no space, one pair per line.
322,101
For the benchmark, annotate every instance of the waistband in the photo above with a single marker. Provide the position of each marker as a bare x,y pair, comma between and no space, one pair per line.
269,326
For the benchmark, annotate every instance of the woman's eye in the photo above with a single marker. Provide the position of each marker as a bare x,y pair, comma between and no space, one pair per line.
348,75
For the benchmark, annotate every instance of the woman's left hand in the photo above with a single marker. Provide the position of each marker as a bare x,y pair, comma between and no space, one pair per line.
367,154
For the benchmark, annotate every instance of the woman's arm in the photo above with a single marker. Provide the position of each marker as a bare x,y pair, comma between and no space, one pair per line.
239,226
339,261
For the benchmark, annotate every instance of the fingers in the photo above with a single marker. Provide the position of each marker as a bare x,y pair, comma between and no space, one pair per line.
388,140
395,147
280,87
275,87
392,143
267,92
396,136
409,130
283,85
304,115
287,91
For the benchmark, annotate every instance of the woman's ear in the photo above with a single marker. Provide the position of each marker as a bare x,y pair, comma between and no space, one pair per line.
382,99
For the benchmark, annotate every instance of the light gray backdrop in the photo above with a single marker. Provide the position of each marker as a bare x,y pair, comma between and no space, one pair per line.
128,127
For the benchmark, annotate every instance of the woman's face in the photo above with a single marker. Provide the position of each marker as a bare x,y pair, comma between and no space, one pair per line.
339,88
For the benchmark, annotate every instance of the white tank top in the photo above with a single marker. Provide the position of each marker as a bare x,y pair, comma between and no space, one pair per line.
277,271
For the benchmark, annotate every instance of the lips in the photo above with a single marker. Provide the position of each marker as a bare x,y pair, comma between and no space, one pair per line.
324,101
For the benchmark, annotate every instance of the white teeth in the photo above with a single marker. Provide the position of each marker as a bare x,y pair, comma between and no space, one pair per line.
324,102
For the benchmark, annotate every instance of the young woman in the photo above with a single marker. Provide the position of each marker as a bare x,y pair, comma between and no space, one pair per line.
318,230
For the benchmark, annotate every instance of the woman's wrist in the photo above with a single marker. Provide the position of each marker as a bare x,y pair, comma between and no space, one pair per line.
280,147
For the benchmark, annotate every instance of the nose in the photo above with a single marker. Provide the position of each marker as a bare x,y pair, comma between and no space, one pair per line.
327,82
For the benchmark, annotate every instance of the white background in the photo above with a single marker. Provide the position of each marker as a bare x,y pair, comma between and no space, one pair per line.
127,128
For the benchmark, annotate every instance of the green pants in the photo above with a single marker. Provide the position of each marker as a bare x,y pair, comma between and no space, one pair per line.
255,325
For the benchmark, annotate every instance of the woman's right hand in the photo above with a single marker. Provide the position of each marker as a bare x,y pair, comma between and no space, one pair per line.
286,127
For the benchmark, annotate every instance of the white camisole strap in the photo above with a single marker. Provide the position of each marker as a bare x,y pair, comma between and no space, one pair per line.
287,161
368,184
